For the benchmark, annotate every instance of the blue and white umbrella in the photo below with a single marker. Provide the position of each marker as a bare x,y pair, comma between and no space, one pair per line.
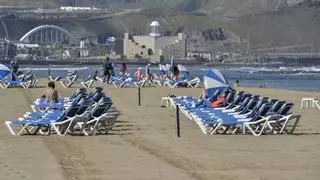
4,71
214,80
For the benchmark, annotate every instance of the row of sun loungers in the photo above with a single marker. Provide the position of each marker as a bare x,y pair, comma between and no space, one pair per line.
127,81
25,80
241,113
193,83
81,114
73,78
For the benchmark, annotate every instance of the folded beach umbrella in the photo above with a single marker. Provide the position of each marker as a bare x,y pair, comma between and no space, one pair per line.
4,71
171,65
214,80
172,62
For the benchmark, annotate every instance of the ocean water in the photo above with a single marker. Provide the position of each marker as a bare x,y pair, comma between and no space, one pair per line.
292,78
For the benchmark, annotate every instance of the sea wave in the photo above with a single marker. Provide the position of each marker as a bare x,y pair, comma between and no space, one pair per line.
283,69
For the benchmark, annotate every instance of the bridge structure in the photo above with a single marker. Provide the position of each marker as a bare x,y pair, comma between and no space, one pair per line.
48,35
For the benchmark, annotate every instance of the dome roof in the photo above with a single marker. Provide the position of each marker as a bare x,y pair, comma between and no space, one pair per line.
155,23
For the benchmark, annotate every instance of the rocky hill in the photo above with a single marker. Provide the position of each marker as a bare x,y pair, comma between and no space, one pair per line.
223,23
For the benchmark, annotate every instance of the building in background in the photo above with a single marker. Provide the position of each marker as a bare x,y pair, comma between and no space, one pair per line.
154,47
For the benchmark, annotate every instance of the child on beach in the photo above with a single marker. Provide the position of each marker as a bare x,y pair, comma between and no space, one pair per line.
51,94
236,83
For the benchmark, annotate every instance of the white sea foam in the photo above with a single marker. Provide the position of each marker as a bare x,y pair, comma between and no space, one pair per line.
279,69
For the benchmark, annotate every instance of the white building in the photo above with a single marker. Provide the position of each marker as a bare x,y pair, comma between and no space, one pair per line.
154,46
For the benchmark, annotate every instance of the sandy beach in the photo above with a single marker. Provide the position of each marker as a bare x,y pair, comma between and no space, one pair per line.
144,146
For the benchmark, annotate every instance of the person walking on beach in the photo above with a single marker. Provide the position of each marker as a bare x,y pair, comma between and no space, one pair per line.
148,72
148,75
107,70
15,66
51,94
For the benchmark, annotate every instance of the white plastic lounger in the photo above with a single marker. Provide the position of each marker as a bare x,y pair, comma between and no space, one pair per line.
86,84
9,84
282,124
194,83
54,78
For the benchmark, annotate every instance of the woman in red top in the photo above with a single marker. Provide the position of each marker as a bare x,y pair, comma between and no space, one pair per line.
217,102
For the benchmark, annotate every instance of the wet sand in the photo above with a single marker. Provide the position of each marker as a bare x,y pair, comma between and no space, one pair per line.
144,146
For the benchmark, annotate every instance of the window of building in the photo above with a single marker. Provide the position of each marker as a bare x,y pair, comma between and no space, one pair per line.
150,52
143,46
141,53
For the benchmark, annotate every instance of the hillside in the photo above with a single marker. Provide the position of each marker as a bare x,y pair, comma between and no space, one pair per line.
265,23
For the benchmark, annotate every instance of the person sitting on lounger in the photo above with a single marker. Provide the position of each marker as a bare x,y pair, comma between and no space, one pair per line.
51,94
123,69
217,102
175,75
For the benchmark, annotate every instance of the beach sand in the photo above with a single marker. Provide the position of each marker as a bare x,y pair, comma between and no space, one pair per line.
144,146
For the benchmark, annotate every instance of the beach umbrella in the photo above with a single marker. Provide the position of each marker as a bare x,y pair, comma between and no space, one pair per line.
214,80
4,71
